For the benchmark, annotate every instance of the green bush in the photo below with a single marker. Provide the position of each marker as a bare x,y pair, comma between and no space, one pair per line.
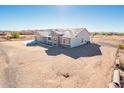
121,46
15,35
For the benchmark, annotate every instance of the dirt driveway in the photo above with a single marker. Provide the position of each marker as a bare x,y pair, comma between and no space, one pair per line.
37,66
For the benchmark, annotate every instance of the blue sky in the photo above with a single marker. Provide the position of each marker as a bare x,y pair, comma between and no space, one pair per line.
94,18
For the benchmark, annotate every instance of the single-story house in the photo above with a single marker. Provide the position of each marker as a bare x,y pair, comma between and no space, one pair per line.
63,37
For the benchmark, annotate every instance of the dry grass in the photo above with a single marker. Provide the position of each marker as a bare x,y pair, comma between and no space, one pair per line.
122,63
121,46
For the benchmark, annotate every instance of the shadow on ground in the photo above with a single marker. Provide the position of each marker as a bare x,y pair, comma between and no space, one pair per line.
87,50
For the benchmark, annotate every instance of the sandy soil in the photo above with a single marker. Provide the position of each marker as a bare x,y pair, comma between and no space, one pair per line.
38,66
22,38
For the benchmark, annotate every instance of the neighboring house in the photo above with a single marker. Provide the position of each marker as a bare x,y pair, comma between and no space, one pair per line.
63,37
2,33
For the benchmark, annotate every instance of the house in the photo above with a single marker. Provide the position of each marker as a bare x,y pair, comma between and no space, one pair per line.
72,37
2,33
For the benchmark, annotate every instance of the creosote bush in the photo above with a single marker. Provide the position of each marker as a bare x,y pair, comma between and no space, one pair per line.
121,46
15,34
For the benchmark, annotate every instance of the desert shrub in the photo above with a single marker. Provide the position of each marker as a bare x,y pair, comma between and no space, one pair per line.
122,63
121,46
120,34
94,33
15,34
103,33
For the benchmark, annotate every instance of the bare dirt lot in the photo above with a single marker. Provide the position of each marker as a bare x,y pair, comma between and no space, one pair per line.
40,66
22,38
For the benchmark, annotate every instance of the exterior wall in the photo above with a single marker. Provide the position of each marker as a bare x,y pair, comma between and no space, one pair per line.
65,42
37,37
41,38
57,40
49,42
60,40
82,38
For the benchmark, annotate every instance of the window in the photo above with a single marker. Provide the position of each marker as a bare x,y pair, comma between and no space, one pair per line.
49,38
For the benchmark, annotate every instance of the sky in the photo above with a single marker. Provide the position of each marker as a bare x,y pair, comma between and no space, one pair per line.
93,17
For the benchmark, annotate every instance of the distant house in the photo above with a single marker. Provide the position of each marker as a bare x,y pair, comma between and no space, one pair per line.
3,33
63,37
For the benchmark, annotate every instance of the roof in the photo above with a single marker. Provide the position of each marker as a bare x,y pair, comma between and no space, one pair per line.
74,32
70,33
45,33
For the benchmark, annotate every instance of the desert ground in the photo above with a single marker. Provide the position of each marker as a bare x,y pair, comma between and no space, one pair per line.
42,66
